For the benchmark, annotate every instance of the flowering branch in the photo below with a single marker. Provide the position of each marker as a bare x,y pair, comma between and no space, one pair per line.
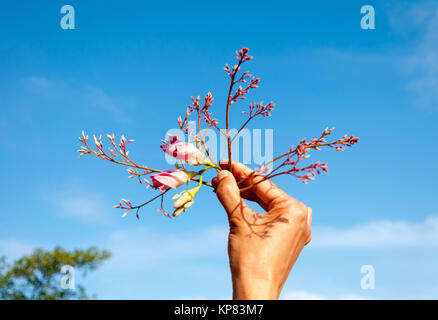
242,56
255,110
295,155
196,154
127,205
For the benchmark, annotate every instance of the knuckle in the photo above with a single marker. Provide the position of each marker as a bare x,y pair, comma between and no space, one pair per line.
285,203
300,215
308,235
234,221
224,188
308,240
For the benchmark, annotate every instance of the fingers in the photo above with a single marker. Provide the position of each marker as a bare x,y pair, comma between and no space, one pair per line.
309,216
309,224
228,192
267,191
247,195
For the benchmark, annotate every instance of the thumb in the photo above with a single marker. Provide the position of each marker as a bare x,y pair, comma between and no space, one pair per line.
228,192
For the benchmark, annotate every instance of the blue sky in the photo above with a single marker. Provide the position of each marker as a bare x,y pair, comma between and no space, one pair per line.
131,68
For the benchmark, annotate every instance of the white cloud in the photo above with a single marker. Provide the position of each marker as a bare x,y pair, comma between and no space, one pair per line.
75,202
382,233
97,98
420,23
83,95
84,207
404,17
415,56
37,84
201,254
140,248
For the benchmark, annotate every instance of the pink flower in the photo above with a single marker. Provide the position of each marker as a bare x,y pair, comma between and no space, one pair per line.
183,151
169,179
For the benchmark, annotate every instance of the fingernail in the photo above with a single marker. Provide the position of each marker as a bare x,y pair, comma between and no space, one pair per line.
223,174
223,161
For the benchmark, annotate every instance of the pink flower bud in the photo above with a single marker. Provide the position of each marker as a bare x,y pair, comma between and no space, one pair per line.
184,151
169,179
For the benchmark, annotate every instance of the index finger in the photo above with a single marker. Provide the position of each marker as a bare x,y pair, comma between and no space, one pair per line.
267,191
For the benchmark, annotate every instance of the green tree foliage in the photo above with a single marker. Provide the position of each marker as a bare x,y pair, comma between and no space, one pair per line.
38,276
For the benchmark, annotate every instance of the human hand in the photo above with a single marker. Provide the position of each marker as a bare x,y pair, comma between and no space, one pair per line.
262,248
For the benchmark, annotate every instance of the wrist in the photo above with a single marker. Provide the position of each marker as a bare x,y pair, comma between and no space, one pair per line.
255,288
